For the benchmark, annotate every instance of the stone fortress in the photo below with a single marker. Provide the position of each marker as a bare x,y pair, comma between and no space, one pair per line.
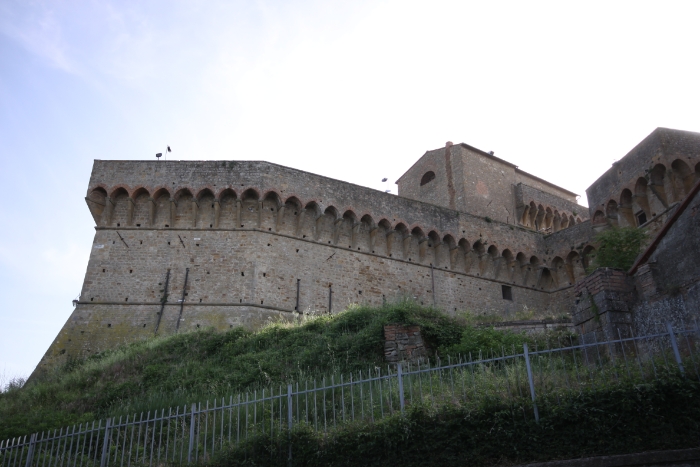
181,245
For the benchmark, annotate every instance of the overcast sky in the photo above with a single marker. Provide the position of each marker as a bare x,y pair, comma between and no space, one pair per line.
355,90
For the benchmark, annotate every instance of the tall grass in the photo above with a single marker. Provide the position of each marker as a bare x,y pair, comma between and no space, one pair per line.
181,369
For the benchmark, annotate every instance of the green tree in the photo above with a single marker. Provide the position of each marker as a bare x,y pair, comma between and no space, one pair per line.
618,247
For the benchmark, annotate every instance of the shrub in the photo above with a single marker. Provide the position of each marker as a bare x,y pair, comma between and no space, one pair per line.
618,247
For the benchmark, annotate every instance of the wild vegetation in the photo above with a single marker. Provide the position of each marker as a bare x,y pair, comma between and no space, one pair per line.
184,368
619,247
619,419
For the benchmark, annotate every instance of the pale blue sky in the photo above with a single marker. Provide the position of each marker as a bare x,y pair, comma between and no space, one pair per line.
352,90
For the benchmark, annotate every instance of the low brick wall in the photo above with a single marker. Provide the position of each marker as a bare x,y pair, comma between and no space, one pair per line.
604,303
530,326
403,343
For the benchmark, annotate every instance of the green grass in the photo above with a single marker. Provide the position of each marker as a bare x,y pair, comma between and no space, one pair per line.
179,369
620,419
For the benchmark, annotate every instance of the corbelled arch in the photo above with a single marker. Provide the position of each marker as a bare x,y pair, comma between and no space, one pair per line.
250,208
290,216
205,209
143,208
164,208
185,209
122,207
640,202
270,206
658,182
683,179
229,209
625,209
97,202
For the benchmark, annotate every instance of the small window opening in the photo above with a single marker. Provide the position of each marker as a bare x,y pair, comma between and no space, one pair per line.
138,225
641,217
167,225
130,271
264,274
197,244
427,178
507,292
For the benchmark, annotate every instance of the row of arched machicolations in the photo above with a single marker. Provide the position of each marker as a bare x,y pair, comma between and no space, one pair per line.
547,219
648,196
267,211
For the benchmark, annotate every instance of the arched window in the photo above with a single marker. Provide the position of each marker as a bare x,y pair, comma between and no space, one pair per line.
427,178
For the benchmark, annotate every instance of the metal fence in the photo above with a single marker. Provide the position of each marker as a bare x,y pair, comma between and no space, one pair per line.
519,378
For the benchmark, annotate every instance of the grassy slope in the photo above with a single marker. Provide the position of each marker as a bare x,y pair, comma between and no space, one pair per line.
184,368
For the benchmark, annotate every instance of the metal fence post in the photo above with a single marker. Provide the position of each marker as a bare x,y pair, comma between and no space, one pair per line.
674,344
105,451
532,384
30,453
289,406
289,421
400,378
189,449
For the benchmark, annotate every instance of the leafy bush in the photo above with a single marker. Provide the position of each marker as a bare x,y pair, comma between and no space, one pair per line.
618,247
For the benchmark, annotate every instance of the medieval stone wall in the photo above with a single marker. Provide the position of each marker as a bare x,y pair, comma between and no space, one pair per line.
657,173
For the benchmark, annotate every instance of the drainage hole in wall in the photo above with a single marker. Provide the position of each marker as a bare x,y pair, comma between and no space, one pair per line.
103,270
82,332
242,273
197,244
242,225
211,225
269,244
126,299
272,209
390,255
118,224
303,236
264,274
92,298
230,325
297,250
328,241
261,302
168,243
360,292
140,242
167,225
269,229
207,272
200,300
138,225
113,242
241,300
130,271
109,325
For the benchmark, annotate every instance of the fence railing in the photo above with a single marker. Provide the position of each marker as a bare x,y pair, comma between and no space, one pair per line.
192,434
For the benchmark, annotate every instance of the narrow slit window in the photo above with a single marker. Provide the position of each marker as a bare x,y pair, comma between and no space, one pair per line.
507,292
